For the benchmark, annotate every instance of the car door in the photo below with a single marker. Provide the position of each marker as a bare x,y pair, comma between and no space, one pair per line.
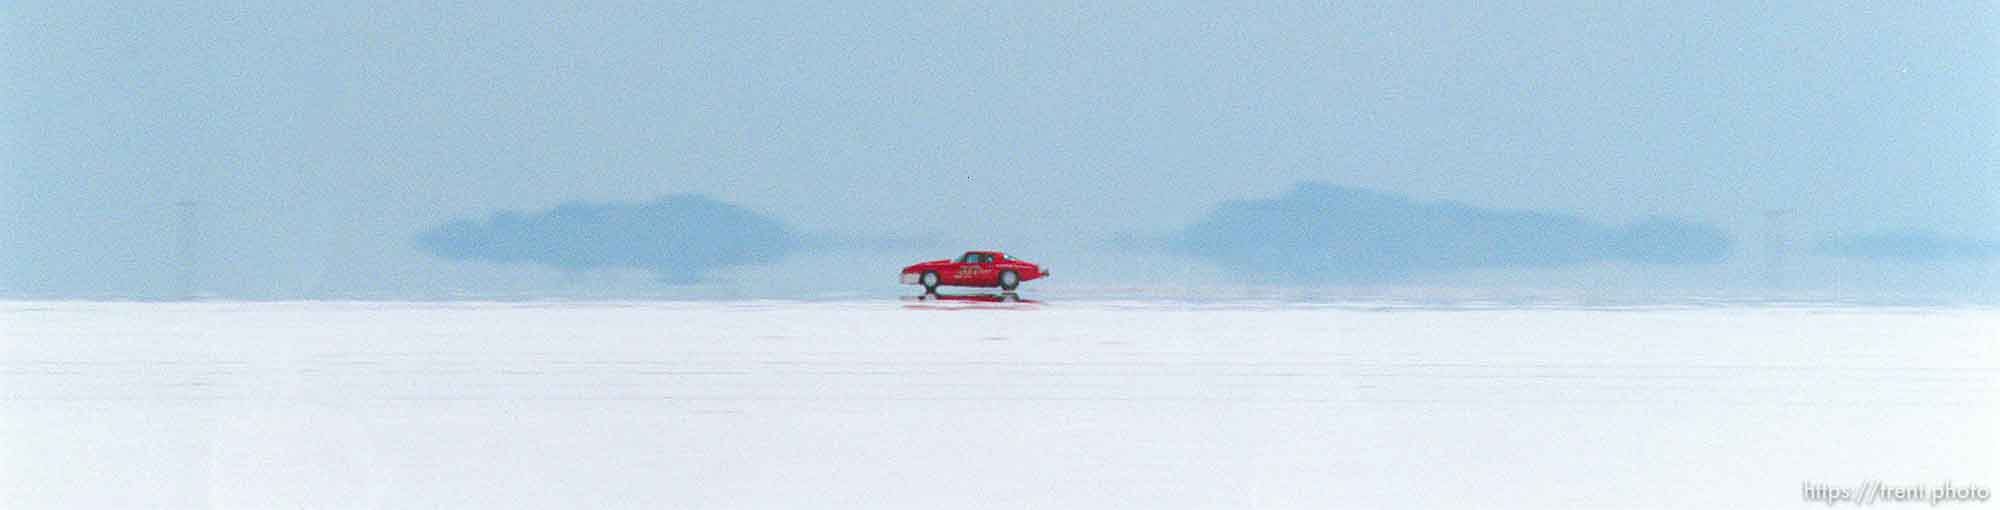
972,269
982,272
959,271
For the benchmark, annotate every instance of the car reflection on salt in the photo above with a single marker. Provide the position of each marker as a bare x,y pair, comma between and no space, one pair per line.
1004,297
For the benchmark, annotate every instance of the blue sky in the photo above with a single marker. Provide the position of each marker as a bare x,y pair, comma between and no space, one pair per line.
324,139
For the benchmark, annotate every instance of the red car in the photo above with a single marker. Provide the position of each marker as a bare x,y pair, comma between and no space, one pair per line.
973,269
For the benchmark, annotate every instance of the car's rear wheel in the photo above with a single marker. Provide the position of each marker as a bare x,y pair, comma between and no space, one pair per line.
1009,280
930,281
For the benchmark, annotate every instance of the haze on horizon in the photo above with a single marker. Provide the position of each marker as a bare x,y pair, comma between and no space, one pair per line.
321,144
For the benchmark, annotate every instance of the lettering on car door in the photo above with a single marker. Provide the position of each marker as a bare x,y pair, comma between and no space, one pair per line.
975,269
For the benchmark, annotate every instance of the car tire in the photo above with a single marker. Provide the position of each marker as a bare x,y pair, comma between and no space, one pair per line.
1009,280
930,282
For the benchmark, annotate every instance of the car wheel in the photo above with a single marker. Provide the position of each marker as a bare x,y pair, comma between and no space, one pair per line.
1009,281
930,281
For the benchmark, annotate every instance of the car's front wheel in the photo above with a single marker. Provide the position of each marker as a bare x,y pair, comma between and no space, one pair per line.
1009,280
930,281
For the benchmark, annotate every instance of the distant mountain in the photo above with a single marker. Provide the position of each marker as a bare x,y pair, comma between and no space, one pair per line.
679,237
1908,245
1323,232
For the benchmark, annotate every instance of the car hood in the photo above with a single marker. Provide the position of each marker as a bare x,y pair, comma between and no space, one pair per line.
921,265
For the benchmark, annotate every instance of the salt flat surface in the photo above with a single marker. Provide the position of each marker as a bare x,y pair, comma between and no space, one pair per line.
903,404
